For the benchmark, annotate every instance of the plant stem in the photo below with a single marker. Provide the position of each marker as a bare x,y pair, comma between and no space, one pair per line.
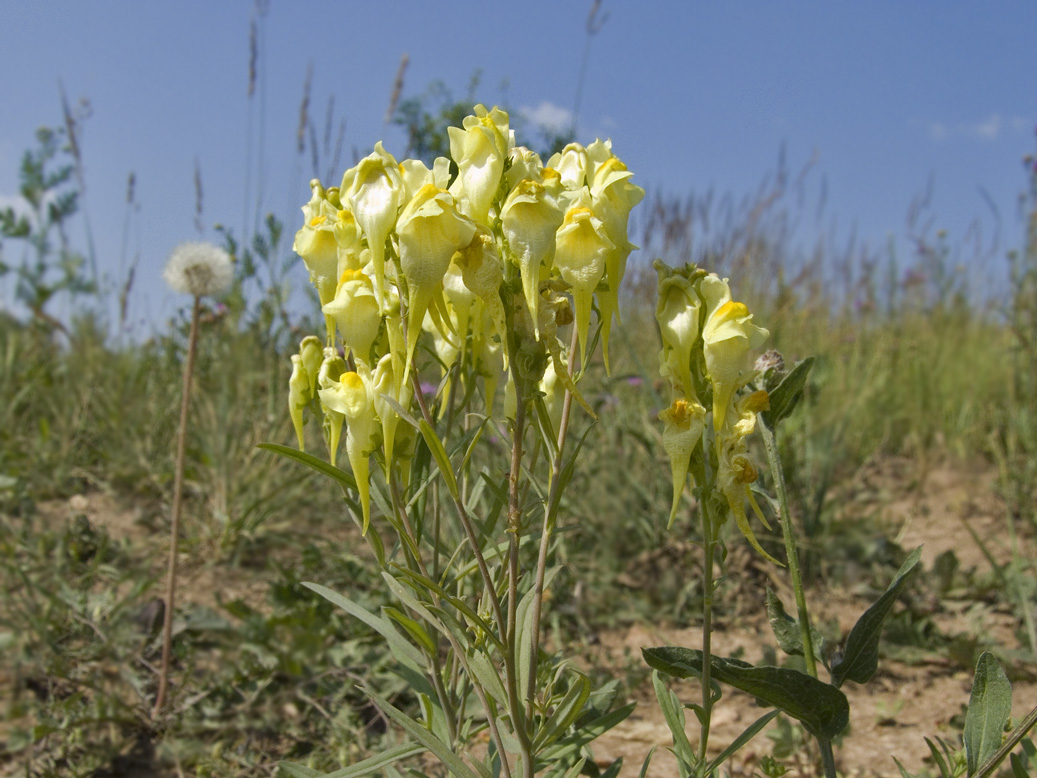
174,529
709,547
792,555
827,758
550,511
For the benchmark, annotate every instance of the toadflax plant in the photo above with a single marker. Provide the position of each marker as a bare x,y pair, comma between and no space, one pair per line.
470,280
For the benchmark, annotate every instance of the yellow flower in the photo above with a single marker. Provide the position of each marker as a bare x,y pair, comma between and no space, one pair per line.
581,246
357,313
684,422
735,472
530,218
374,189
312,354
430,231
416,175
613,197
677,312
351,397
482,273
316,242
479,151
571,164
331,369
524,164
299,395
728,338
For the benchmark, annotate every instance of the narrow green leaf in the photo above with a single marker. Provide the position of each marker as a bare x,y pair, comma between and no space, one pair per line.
647,761
613,770
489,676
786,395
786,629
366,767
413,628
588,732
435,445
860,658
452,761
750,732
565,712
298,770
402,650
990,707
673,714
325,468
821,707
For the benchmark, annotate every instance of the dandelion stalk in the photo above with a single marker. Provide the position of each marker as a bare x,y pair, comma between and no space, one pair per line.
197,269
174,528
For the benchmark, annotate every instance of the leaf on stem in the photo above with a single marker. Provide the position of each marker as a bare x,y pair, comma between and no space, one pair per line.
990,707
860,657
786,395
821,707
787,631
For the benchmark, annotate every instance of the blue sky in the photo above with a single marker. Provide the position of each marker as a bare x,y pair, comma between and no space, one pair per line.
695,96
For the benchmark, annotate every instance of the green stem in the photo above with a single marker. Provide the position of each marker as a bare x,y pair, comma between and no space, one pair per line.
550,511
709,548
792,555
827,757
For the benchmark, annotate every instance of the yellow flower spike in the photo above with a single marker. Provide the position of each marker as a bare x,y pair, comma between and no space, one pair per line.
684,423
351,397
530,218
374,189
677,312
312,354
330,371
482,273
357,313
728,337
299,394
430,231
581,248
479,151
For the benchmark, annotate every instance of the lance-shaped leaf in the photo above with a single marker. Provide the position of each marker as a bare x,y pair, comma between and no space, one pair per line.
860,657
787,631
786,395
819,706
990,707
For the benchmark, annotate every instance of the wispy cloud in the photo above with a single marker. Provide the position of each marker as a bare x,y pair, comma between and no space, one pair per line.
552,118
989,129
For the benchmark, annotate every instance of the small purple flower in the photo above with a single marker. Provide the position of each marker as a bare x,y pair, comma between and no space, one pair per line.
635,380
428,389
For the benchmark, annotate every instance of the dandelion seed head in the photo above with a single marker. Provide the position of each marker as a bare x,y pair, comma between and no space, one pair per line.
199,269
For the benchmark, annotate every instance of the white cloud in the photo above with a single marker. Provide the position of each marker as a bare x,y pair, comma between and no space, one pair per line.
989,129
549,116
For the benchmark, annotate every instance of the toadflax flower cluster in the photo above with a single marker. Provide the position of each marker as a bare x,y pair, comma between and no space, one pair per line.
707,343
485,263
